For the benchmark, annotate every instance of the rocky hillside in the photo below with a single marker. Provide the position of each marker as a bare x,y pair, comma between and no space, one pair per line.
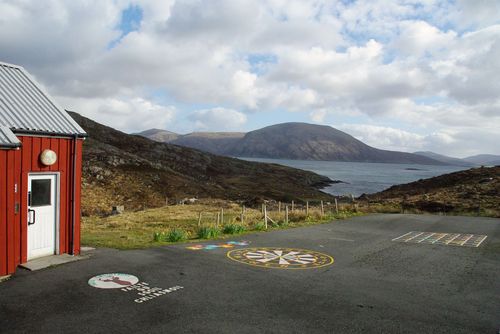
122,169
473,191
300,141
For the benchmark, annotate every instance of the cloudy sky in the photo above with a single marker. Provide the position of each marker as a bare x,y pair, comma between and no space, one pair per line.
404,75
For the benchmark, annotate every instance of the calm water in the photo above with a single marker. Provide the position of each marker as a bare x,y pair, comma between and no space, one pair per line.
362,177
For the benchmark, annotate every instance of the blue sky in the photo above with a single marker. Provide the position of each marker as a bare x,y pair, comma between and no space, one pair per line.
130,20
405,75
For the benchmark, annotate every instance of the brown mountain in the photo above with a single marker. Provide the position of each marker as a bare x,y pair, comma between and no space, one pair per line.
122,169
213,142
163,136
316,142
300,141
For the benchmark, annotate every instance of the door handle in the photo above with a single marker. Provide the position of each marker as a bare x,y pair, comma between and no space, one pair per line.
29,217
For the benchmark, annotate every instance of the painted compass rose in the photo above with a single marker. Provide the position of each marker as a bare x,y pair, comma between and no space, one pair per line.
281,258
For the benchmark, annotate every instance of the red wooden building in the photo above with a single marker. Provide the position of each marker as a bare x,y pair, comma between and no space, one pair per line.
40,173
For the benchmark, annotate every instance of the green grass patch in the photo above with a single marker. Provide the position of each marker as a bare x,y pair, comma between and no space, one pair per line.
234,229
159,236
208,232
260,226
177,223
176,235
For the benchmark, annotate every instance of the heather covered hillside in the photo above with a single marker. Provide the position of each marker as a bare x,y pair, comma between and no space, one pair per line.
475,191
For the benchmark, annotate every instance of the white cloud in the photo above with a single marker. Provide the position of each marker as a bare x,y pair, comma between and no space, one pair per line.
477,13
127,114
318,116
417,37
429,64
457,142
217,119
385,137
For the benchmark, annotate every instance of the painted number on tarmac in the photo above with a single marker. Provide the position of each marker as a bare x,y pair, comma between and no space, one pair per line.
281,258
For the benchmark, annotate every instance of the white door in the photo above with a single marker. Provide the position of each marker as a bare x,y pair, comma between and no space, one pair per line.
42,206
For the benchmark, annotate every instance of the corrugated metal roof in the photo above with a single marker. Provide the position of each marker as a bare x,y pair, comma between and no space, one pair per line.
26,107
8,138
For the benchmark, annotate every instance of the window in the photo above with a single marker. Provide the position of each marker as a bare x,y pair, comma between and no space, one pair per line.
40,192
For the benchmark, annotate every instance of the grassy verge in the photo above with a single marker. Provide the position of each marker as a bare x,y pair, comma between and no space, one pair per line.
457,210
176,223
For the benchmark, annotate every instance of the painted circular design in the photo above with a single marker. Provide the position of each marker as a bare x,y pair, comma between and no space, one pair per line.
113,281
280,258
48,157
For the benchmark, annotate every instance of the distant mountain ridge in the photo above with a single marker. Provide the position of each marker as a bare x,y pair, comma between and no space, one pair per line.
300,141
472,161
212,142
484,159
446,159
162,136
123,169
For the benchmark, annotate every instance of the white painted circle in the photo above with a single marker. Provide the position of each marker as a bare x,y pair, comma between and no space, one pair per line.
113,281
48,157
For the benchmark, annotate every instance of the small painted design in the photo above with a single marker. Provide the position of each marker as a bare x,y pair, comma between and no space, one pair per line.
113,281
229,244
281,258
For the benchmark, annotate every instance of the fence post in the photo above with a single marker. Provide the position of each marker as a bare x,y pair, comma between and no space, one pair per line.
322,209
217,222
336,206
286,214
279,207
222,216
293,205
242,213
265,217
199,219
307,208
166,201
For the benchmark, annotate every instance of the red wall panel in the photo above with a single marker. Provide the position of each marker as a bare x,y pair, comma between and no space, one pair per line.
15,165
3,212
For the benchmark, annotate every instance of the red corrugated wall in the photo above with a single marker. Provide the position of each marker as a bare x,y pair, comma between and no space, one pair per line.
15,165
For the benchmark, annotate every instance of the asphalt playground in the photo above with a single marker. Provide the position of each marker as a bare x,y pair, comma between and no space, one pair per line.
371,274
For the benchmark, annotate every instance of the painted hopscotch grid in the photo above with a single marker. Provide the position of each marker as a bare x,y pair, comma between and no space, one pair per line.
452,239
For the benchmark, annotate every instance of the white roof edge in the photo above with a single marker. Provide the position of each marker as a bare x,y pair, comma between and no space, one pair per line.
11,65
11,138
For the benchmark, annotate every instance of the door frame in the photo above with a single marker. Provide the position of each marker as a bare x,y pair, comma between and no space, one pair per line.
57,189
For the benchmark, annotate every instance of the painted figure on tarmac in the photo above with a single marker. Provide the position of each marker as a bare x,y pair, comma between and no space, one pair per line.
117,280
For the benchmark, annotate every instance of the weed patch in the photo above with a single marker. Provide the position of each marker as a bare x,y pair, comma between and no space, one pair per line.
208,233
234,229
176,235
